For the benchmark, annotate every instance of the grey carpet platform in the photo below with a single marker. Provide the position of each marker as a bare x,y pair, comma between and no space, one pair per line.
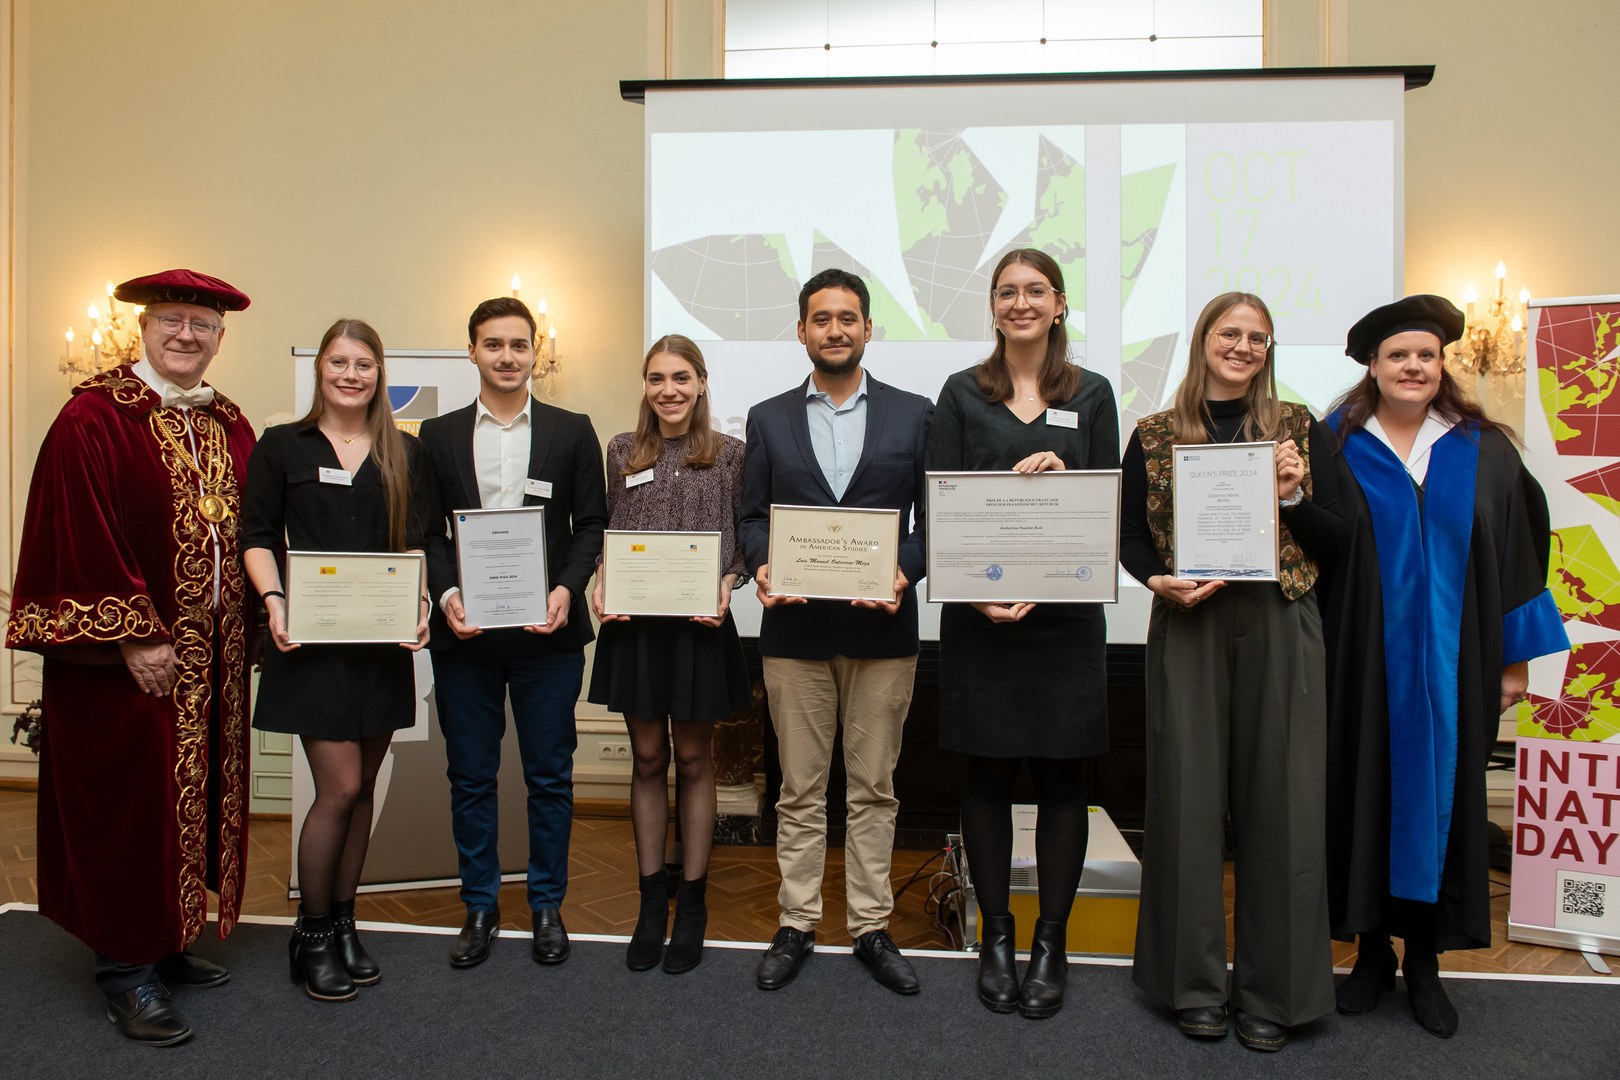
593,1017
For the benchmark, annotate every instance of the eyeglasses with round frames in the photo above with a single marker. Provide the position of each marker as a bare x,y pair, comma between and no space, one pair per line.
1257,341
338,365
1034,294
171,324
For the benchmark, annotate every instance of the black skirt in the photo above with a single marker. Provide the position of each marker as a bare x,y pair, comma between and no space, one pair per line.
659,666
336,691
1034,688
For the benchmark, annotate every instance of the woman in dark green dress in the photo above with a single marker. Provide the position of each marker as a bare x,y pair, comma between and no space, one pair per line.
1024,683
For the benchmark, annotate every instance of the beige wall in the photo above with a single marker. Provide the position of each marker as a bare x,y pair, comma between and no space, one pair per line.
1510,152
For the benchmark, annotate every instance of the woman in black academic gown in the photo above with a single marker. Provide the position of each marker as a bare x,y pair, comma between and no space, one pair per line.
1432,614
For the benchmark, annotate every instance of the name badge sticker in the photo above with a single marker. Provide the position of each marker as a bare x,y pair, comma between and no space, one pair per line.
1062,418
637,479
540,489
336,476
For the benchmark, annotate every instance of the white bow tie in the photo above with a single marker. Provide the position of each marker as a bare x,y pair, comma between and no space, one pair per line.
198,395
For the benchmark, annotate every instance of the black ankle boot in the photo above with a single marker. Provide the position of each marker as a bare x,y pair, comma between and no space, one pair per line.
1374,972
1431,1008
647,942
313,959
362,969
1048,972
998,968
691,920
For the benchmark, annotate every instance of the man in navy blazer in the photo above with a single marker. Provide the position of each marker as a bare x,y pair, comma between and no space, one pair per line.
840,438
507,450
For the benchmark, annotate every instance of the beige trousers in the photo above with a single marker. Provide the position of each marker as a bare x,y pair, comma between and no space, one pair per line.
809,700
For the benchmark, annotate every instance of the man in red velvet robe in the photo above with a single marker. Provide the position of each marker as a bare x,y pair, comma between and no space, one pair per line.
130,585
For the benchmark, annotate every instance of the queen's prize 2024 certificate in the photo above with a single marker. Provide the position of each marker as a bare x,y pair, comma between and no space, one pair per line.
1226,511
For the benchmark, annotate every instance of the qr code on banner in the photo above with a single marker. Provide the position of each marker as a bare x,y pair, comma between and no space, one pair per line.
1584,897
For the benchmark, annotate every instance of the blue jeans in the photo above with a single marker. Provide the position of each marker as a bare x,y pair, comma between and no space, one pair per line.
471,680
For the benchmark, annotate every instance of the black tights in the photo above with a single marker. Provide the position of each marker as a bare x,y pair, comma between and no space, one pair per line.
649,794
1061,829
337,830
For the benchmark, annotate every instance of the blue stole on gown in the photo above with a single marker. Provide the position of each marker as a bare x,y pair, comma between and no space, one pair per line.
1423,574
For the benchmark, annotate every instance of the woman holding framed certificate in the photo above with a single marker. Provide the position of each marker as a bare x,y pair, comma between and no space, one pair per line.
1236,710
1434,611
343,479
671,676
1038,669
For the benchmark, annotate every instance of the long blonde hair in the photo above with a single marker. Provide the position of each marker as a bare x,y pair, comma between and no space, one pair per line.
702,441
1262,417
387,444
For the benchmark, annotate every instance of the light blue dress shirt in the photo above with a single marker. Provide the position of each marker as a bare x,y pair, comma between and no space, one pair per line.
837,433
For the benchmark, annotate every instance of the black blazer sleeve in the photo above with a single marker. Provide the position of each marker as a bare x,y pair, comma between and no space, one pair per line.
913,550
754,520
587,514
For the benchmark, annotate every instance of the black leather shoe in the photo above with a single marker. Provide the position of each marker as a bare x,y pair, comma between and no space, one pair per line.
362,968
1431,1008
1048,973
1261,1035
998,966
183,969
787,953
147,1015
472,944
550,939
1373,973
1203,1022
877,950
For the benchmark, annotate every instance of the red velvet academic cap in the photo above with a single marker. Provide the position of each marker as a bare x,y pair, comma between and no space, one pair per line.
183,287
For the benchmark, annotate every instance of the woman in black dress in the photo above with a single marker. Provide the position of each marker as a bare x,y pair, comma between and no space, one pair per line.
1236,709
1024,682
672,678
343,478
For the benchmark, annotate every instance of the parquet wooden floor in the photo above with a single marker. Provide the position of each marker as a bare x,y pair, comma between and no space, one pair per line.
602,896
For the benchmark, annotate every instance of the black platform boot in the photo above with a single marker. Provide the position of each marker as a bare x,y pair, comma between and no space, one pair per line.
1373,973
362,969
647,942
998,966
313,959
691,920
1048,971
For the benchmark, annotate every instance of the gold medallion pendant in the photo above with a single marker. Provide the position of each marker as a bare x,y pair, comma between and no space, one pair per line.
214,508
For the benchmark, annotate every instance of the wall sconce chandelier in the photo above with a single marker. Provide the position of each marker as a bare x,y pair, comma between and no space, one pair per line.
1494,344
546,364
114,338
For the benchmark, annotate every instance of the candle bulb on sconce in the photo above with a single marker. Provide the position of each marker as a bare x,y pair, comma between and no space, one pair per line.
517,286
546,365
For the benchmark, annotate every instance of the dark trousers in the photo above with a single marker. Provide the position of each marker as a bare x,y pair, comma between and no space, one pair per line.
471,681
114,978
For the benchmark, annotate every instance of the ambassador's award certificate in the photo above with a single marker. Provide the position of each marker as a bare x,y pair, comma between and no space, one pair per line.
1226,511
501,565
350,597
834,552
661,573
1007,537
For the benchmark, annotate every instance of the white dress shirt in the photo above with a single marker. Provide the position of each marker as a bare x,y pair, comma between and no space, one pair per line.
501,456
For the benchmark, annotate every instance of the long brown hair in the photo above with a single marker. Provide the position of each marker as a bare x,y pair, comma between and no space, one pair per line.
702,441
1059,379
387,444
1360,402
1262,416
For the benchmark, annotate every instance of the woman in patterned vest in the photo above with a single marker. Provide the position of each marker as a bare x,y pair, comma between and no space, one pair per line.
1236,708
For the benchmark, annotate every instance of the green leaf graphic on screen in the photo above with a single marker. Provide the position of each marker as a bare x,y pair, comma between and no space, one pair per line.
1142,196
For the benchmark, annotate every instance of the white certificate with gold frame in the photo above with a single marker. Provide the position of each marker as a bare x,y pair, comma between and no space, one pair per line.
1225,499
834,552
353,597
661,573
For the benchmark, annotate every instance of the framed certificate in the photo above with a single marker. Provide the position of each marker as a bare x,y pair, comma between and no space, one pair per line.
501,566
1226,511
353,597
1007,537
834,553
661,573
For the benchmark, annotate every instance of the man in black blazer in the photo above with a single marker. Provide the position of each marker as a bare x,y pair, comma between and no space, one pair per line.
840,438
506,450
